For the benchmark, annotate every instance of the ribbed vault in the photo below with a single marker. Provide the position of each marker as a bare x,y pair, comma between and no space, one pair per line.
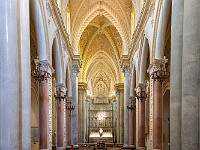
100,34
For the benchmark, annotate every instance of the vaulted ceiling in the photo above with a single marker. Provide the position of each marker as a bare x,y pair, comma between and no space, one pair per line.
100,32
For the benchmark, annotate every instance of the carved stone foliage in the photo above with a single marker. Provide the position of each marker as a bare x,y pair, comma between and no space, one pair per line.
157,70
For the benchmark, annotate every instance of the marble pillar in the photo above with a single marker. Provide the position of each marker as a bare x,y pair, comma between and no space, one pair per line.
60,98
119,87
80,116
141,96
81,111
162,25
157,71
132,110
87,120
9,76
126,70
176,74
190,76
122,116
69,108
118,116
42,73
132,121
25,116
75,69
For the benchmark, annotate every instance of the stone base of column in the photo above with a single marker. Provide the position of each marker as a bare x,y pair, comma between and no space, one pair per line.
43,149
132,146
141,148
59,148
126,146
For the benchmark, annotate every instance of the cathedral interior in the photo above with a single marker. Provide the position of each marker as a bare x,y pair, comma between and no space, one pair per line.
105,74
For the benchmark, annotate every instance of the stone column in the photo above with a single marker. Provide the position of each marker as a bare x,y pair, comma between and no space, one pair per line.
191,76
87,119
75,69
126,70
69,108
162,25
122,116
43,72
176,74
81,111
60,98
132,124
25,130
132,111
9,76
118,116
157,71
141,96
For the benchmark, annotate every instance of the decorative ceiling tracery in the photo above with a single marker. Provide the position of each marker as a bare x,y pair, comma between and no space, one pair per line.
100,32
84,11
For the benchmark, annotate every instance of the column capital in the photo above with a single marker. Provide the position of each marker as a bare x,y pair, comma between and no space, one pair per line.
69,105
75,68
132,103
43,70
157,70
60,90
141,91
126,68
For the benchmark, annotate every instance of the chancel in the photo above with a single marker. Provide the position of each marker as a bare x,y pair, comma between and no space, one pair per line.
105,74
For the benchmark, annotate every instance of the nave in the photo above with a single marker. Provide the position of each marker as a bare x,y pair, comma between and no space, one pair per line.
74,72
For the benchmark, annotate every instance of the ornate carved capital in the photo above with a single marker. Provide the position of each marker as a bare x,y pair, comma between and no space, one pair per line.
157,70
141,91
60,91
75,69
132,103
69,104
43,70
126,68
